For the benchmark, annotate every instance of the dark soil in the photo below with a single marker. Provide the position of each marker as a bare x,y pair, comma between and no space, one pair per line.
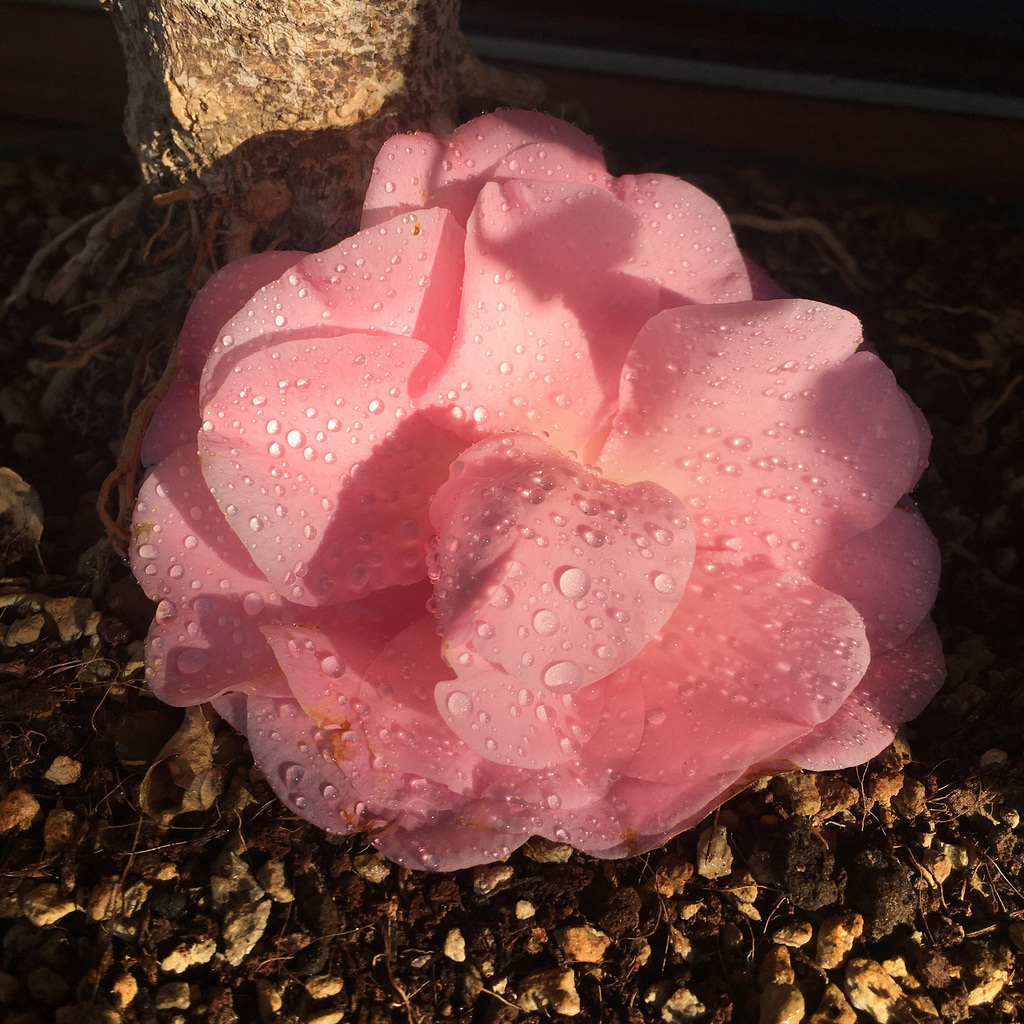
181,891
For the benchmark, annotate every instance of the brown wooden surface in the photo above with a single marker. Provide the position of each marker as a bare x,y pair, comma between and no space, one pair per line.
62,68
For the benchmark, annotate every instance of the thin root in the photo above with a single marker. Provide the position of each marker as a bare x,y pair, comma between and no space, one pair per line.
845,265
43,253
114,220
981,417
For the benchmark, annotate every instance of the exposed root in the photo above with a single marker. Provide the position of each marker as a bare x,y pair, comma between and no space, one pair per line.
115,221
829,247
44,252
77,356
1000,401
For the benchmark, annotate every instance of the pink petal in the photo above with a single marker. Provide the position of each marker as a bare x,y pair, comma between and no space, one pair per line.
402,277
551,573
749,662
504,721
785,442
176,419
313,451
378,697
889,573
414,172
452,843
762,285
548,312
228,291
556,161
897,687
299,761
686,244
213,600
614,735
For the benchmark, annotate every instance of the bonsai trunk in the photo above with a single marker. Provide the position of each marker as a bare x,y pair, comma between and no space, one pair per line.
275,110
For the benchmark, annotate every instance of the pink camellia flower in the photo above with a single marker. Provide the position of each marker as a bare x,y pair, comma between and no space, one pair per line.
532,508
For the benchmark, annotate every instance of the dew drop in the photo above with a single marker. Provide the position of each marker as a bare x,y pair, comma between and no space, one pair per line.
563,676
545,622
663,583
332,666
656,715
252,603
191,660
459,704
573,583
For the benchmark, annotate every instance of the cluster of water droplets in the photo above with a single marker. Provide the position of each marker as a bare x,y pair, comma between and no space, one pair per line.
551,573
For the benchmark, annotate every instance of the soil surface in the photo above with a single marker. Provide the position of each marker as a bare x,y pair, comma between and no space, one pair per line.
147,874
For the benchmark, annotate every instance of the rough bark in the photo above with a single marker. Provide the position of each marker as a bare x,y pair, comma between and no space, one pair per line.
277,107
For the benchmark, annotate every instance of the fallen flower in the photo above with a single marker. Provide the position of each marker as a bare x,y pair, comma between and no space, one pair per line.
532,508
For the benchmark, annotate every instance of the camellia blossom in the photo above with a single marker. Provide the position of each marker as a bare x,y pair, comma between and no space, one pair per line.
532,508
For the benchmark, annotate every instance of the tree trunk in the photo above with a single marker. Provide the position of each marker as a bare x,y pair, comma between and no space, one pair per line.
276,108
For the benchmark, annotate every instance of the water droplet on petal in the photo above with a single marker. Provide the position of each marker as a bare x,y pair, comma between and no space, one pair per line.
191,660
573,583
460,705
545,622
663,583
332,666
563,676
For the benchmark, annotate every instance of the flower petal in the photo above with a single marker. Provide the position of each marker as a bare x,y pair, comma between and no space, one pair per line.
889,573
785,441
686,243
314,452
551,573
548,312
452,842
748,662
298,760
896,688
176,418
378,697
414,172
504,721
402,277
213,600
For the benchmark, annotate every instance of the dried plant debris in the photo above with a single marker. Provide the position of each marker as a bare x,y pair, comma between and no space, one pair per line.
147,874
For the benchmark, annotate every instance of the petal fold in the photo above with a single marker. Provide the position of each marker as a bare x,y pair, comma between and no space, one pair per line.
889,573
549,572
686,243
315,453
176,419
896,688
784,441
748,662
549,311
420,171
206,636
